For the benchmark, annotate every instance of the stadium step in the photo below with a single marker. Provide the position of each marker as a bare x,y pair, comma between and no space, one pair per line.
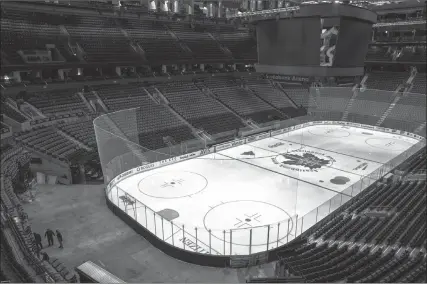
280,88
72,139
421,127
85,101
350,103
388,110
265,101
99,101
157,96
224,49
208,92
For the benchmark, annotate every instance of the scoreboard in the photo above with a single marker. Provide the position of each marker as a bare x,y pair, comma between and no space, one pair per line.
318,40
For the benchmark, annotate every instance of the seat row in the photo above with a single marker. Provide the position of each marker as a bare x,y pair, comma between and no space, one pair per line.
12,112
48,141
57,102
108,39
202,111
388,81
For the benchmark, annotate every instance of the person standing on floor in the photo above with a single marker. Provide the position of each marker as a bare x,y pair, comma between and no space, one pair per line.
38,252
45,256
49,235
59,237
38,240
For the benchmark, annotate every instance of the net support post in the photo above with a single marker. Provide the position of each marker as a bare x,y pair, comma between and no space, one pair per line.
296,226
163,230
183,235
250,241
173,242
224,241
155,225
231,242
210,241
195,229
146,220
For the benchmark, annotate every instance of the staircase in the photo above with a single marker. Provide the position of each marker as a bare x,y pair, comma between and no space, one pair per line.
363,82
178,40
80,53
63,31
157,95
159,98
85,101
208,92
420,128
414,72
140,50
267,102
350,103
282,90
12,104
312,99
408,84
99,101
135,46
72,139
30,110
387,112
221,46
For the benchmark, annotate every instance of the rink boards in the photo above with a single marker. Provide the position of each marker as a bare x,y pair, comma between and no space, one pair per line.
270,179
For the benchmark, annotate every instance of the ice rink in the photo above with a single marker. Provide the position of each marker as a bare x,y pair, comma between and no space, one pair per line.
262,183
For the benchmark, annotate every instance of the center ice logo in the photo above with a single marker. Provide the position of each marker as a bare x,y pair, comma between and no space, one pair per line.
303,161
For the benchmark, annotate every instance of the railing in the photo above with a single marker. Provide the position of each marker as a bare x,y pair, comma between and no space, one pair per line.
30,258
14,218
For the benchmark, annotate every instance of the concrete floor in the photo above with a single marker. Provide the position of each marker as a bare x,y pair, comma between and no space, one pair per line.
92,232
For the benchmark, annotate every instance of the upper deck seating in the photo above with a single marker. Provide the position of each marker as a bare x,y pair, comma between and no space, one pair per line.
378,53
153,37
27,32
101,39
388,81
241,44
201,44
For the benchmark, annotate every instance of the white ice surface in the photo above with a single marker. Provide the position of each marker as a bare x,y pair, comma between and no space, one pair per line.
250,186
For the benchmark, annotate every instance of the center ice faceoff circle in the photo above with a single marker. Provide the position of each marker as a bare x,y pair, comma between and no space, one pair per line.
329,132
239,215
172,184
